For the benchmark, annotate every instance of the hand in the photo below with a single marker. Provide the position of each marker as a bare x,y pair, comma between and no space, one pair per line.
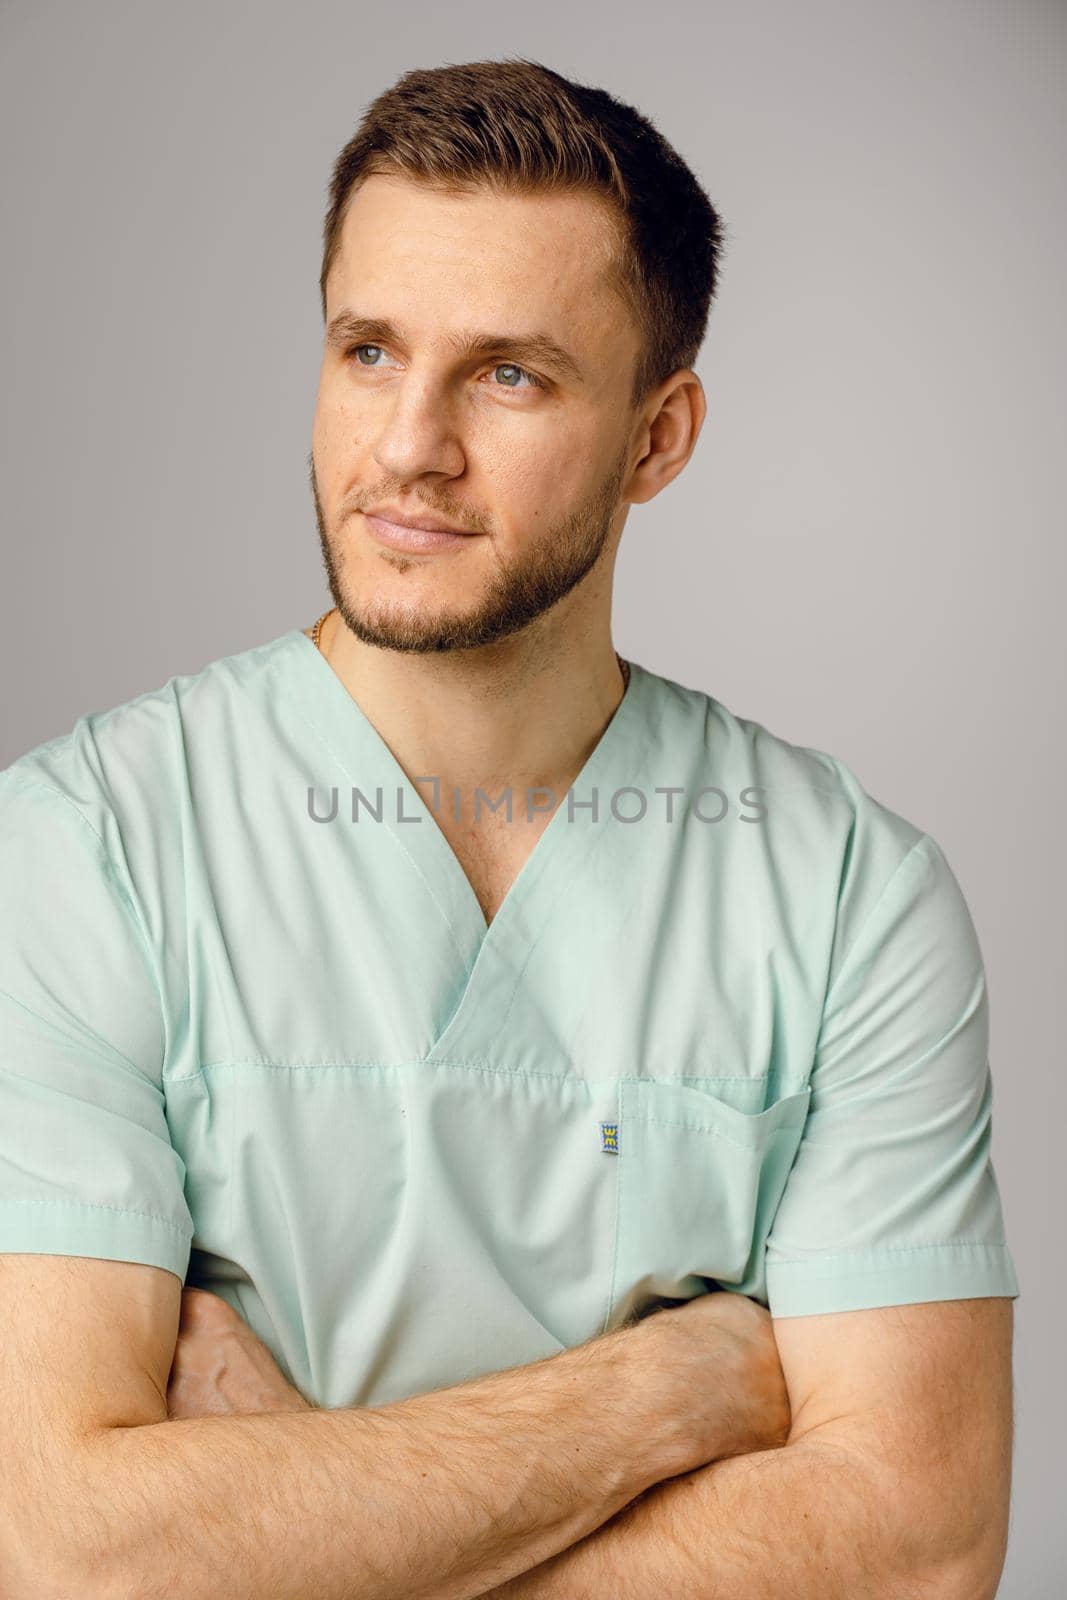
713,1365
220,1367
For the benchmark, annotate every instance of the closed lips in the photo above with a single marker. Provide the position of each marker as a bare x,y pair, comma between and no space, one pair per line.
428,524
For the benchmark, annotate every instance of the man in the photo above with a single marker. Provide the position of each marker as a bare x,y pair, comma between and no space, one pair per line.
447,1112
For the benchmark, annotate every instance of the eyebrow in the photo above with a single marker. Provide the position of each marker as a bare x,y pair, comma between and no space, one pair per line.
534,349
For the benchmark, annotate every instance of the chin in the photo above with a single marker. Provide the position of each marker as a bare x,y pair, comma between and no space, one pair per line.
404,628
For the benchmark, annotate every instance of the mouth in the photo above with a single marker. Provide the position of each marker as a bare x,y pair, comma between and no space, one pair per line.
414,540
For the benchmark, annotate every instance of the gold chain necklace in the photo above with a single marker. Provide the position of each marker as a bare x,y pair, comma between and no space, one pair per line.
624,666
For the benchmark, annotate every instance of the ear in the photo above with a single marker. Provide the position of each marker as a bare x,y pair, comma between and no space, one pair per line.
670,424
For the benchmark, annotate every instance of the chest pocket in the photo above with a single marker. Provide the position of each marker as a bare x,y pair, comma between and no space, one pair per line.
699,1184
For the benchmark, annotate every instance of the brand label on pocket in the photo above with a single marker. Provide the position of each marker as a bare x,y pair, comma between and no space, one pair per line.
609,1137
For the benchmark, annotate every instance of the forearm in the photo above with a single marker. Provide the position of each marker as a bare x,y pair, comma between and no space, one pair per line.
441,1495
809,1521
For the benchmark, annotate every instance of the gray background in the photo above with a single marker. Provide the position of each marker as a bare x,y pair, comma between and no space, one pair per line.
865,554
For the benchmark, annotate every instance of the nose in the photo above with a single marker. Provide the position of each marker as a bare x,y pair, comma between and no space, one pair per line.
417,433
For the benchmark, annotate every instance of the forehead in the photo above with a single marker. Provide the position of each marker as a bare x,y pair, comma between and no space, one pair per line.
421,255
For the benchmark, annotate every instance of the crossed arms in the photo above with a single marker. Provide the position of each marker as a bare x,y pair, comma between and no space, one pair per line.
526,1485
895,1482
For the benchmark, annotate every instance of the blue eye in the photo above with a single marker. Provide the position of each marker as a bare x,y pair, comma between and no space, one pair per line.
508,366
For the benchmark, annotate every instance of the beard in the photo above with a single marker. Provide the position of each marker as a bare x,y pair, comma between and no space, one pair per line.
513,597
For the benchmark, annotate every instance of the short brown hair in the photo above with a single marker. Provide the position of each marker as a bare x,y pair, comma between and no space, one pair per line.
517,126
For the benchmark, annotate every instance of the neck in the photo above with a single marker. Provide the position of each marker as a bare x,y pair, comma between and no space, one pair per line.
518,712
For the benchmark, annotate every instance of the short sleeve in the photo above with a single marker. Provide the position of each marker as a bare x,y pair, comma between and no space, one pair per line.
87,1167
892,1197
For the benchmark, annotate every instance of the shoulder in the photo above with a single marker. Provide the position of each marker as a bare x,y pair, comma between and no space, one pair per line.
124,760
823,837
810,791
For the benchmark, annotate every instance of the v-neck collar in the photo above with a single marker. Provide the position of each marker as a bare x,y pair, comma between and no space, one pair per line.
561,852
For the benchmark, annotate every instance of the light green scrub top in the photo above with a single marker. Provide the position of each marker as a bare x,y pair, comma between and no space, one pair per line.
284,1058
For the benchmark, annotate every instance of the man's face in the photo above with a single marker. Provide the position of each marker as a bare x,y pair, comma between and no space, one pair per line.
527,457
